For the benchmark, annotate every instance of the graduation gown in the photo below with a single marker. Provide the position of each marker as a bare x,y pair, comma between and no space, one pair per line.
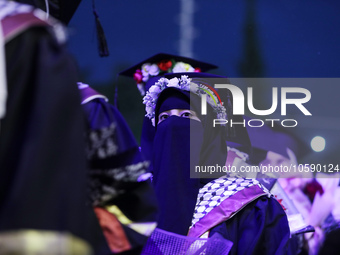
42,158
260,228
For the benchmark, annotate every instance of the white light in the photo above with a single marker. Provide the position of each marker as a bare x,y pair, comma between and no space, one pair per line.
318,143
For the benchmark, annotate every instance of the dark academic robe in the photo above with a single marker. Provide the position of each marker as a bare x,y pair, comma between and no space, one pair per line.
42,159
259,228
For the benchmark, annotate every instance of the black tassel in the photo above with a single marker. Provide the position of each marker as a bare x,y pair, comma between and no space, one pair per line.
102,44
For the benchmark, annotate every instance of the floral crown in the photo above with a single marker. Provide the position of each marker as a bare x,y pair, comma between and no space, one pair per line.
141,76
183,83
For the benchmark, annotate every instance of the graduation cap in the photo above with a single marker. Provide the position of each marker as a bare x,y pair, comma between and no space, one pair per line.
147,72
63,10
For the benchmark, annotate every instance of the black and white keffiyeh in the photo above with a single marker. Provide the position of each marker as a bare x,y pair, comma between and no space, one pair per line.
216,191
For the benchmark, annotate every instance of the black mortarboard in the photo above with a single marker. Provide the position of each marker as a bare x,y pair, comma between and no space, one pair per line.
62,10
164,64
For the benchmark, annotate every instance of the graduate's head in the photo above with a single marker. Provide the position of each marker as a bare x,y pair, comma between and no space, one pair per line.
147,72
174,106
183,91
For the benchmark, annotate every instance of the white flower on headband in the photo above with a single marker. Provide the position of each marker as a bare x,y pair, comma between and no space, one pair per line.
155,90
183,83
174,82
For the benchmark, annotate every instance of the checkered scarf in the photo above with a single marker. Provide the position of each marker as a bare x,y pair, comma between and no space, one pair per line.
216,191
